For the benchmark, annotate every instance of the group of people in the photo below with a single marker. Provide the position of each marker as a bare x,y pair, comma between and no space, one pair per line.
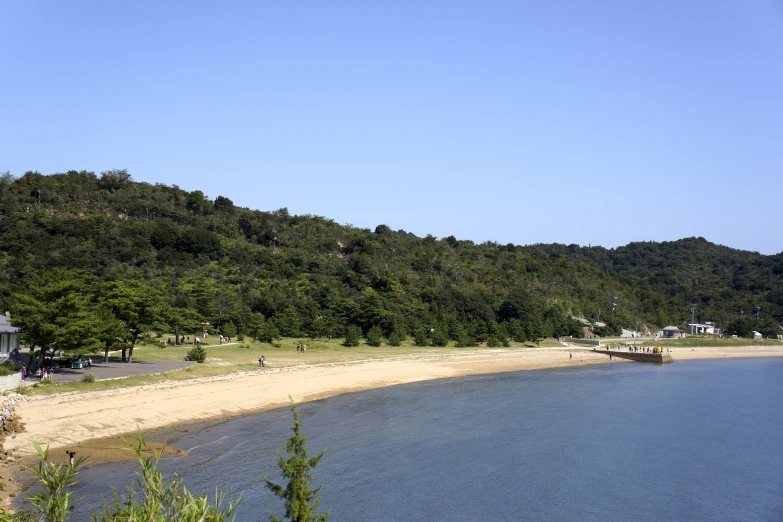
655,349
301,348
43,374
87,362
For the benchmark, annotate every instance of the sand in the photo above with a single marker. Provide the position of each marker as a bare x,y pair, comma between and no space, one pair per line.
91,423
70,418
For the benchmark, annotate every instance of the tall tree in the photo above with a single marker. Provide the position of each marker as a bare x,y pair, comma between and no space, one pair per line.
301,501
111,332
55,314
138,305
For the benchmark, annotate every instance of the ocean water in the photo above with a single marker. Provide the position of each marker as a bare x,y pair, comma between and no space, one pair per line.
690,441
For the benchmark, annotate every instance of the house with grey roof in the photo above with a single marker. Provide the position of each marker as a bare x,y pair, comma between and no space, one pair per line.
9,337
670,332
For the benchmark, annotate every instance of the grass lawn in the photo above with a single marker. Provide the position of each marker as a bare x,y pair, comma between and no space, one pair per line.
728,342
243,356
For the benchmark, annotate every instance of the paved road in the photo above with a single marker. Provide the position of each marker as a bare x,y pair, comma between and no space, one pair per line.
111,370
116,370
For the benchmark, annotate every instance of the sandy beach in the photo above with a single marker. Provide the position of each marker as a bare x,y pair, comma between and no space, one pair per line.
93,422
69,419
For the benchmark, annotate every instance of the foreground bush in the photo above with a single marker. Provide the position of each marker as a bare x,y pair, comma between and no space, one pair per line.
300,500
197,354
155,499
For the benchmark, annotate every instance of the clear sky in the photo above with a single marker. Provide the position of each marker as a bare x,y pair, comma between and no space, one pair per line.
589,122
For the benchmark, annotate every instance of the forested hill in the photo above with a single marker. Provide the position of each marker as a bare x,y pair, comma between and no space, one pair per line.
271,273
723,284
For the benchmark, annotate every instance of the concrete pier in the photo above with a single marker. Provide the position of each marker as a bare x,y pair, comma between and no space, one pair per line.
640,356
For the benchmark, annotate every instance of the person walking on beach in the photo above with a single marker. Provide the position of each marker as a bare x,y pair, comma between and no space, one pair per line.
71,455
570,356
263,362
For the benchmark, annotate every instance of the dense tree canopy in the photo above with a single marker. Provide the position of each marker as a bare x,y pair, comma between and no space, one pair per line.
155,256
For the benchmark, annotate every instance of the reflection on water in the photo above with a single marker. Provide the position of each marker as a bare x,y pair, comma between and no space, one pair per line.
687,441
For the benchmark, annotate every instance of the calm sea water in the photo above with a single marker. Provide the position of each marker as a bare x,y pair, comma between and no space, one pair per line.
691,441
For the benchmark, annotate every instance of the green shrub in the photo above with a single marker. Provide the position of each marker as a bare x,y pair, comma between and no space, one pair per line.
229,329
465,341
420,337
395,338
240,337
374,336
7,368
440,338
352,336
197,354
88,377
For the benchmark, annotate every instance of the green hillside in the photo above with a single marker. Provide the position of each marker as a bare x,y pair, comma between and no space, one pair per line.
269,274
722,284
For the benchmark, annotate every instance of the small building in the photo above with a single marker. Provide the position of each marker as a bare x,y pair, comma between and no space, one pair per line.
9,337
670,332
757,335
780,332
707,328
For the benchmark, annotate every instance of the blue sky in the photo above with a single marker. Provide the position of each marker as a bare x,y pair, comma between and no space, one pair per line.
599,122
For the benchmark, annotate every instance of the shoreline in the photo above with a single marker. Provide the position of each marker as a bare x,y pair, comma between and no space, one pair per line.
92,423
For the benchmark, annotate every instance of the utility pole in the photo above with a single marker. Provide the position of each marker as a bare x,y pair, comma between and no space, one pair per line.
693,314
758,308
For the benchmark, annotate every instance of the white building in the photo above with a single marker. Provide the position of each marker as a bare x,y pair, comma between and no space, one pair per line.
9,337
707,328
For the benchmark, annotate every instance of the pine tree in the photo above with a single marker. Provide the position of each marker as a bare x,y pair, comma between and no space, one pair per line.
352,336
396,338
440,338
300,501
197,353
374,336
420,337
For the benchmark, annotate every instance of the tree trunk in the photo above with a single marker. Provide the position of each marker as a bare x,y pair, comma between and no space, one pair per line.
130,353
106,355
176,336
124,358
42,357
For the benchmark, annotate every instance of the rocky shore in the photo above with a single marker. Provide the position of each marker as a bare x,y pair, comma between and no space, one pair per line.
9,420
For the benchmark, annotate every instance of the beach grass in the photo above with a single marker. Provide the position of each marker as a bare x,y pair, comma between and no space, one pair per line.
223,359
728,342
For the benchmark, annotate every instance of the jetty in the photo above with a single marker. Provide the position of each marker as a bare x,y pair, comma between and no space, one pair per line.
659,358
